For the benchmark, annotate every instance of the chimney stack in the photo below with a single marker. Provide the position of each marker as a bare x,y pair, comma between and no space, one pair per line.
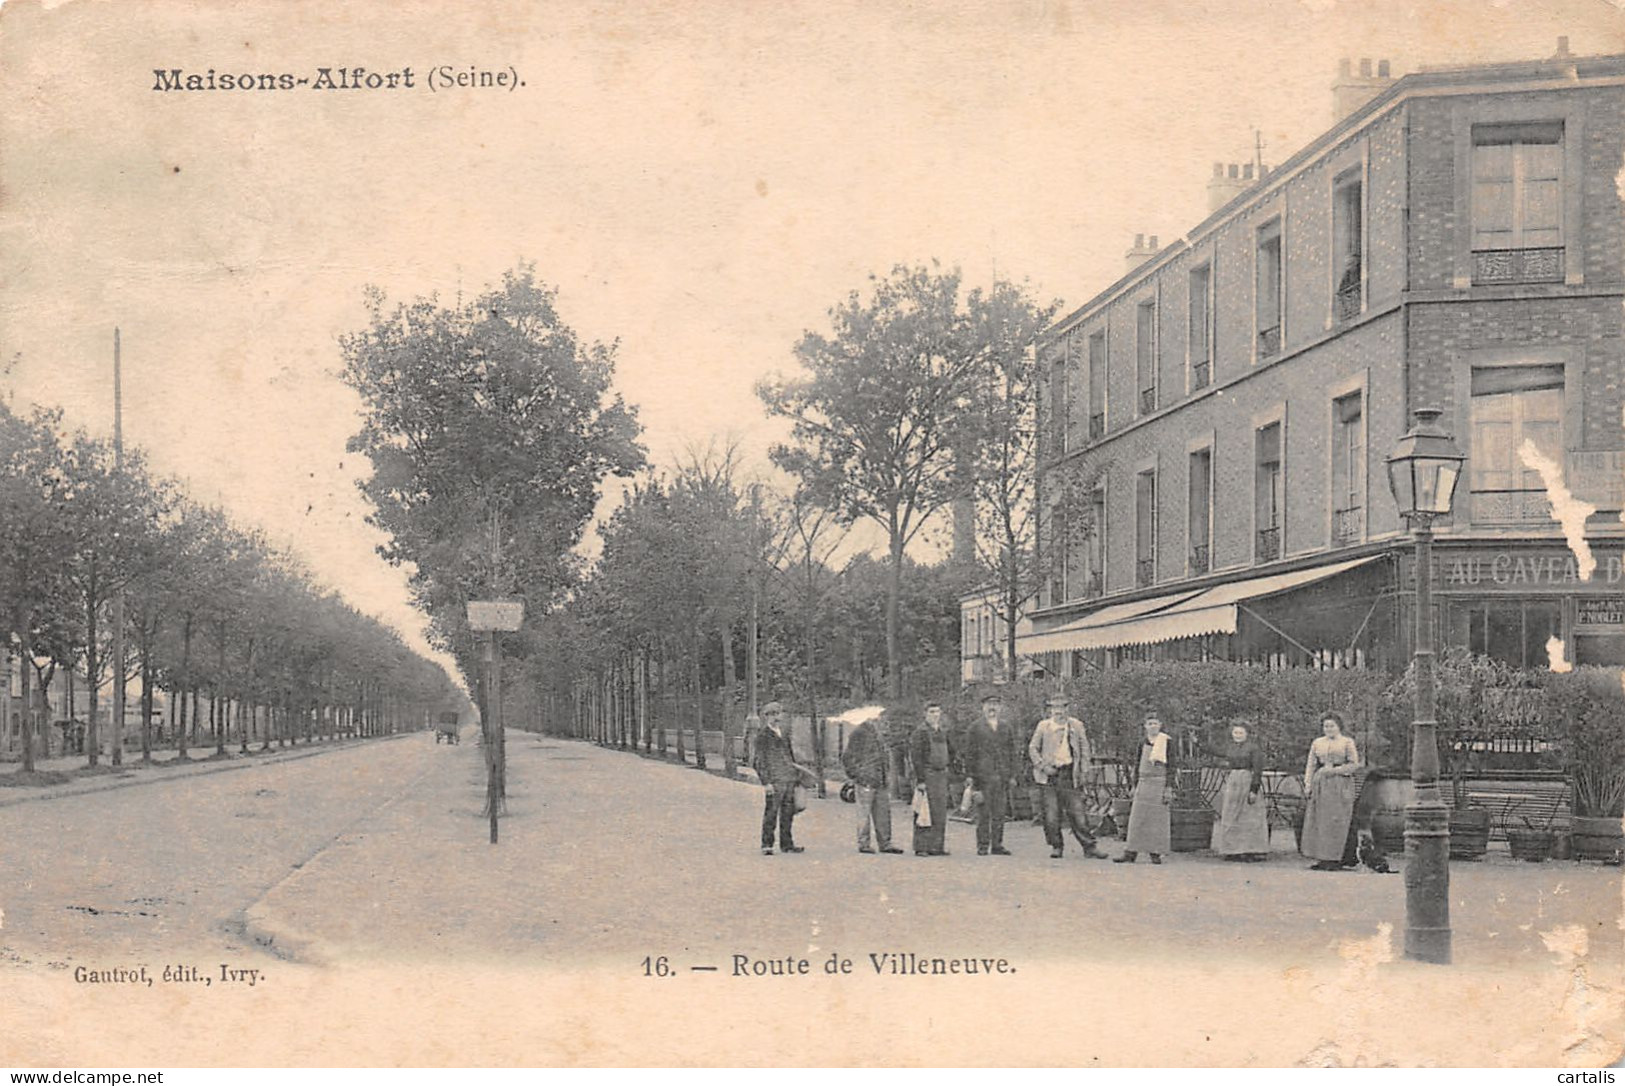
1354,89
1228,182
1144,249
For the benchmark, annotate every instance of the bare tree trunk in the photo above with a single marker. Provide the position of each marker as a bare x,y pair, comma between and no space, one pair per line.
730,681
27,663
894,592
813,723
643,698
220,686
699,706
180,685
665,691
93,744
146,698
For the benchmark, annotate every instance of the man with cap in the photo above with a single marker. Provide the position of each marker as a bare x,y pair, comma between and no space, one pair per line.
866,760
1060,757
774,761
993,759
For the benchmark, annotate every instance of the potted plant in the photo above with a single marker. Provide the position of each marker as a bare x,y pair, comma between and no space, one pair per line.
1469,823
1530,841
1591,713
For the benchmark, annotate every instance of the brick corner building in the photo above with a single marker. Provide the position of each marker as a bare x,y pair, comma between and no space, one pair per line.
1214,424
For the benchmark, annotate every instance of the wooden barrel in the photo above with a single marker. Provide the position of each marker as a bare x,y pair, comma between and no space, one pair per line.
1024,802
1388,827
1190,829
1597,839
1469,833
1120,810
1531,845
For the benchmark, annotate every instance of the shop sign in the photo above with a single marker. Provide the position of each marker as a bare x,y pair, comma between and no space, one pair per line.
1601,611
1523,570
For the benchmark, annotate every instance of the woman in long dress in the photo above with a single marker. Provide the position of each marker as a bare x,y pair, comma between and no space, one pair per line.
1328,781
1242,832
1148,828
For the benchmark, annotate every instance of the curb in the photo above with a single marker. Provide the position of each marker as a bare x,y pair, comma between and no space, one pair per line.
238,762
281,941
285,941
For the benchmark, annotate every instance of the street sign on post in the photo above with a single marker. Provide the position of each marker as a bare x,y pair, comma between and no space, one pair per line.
492,617
503,616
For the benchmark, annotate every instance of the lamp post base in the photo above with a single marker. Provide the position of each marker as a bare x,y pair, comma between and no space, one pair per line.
1427,881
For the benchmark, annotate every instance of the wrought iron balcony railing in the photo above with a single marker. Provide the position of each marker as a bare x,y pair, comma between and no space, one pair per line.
1511,506
1348,302
1518,265
1348,524
1268,547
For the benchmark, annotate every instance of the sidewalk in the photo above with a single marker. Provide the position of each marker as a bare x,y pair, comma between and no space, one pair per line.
609,865
166,765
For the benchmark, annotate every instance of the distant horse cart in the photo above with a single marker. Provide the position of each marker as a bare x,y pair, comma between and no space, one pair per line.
446,729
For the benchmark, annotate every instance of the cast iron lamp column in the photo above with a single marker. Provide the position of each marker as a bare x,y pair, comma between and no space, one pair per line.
1422,472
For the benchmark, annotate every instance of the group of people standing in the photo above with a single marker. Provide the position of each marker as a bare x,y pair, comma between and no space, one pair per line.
992,760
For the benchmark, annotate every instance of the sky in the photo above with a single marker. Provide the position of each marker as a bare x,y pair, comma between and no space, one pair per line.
701,182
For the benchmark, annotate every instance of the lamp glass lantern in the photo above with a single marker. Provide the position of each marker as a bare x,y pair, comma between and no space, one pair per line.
1424,468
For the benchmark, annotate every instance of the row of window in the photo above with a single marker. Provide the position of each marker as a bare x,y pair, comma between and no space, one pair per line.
1516,216
1512,408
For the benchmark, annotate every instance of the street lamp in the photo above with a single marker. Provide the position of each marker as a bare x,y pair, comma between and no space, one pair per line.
1422,472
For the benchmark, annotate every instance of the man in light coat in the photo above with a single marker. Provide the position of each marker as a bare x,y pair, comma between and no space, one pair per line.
1060,756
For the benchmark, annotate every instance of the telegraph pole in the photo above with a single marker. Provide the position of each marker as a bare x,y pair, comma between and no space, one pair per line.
118,599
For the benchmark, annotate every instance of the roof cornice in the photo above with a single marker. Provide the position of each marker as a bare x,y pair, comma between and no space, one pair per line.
1556,74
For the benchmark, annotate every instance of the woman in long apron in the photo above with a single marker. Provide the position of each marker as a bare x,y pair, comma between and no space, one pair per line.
1242,832
933,754
1148,817
1328,781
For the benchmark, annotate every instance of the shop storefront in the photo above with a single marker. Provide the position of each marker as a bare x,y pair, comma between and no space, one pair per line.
1338,614
1514,601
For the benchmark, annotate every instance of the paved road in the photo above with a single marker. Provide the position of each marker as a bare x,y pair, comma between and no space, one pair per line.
168,865
373,862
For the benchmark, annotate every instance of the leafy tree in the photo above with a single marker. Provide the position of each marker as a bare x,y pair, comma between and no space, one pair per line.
489,414
113,516
1003,451
887,397
809,537
34,548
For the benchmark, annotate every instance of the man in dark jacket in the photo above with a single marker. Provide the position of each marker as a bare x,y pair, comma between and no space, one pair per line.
774,761
935,755
866,761
993,757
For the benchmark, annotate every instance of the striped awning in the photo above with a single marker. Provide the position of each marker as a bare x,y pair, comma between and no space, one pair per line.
1177,615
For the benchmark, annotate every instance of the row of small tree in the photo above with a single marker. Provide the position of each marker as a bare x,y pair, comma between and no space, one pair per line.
221,621
696,569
